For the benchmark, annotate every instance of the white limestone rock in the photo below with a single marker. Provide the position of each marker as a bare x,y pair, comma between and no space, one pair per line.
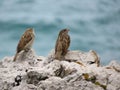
79,71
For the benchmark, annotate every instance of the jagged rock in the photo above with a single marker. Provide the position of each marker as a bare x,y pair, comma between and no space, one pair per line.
18,79
4,85
34,77
79,71
53,83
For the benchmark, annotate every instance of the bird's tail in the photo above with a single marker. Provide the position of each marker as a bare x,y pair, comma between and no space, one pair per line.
15,57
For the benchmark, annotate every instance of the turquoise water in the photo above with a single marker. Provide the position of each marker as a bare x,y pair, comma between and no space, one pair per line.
93,24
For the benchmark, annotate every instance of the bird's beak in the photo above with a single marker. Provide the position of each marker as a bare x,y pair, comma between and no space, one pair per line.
68,30
33,31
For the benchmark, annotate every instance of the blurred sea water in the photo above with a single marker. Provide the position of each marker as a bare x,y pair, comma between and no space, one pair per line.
93,24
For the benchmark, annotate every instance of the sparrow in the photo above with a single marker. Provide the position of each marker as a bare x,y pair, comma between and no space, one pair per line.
62,44
25,42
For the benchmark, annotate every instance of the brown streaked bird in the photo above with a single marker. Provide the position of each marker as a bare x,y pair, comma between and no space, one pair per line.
62,44
25,42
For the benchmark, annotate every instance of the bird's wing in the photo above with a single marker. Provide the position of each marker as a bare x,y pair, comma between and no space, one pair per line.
65,44
25,39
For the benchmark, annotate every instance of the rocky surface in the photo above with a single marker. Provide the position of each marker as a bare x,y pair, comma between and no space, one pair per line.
79,71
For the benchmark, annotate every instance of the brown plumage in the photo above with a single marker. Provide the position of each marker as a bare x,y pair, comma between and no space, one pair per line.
25,42
62,44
